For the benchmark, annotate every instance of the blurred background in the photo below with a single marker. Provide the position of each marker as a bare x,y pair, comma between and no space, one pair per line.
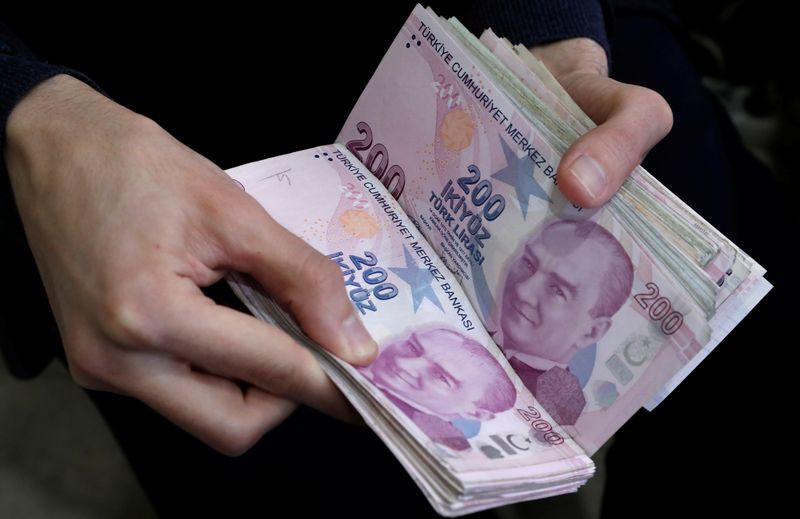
57,458
746,51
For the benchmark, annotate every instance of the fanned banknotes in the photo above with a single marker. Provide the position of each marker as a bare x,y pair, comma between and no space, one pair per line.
517,331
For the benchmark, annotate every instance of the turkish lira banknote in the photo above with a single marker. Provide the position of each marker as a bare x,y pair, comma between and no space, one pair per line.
441,394
597,310
517,331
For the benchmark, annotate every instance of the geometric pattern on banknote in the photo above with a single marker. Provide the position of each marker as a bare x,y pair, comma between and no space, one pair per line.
419,279
518,173
560,393
605,393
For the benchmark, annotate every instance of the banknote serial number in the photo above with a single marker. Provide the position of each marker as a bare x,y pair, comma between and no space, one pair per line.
659,308
392,177
373,278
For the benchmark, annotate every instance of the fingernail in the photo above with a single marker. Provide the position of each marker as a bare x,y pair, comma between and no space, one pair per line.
360,344
590,175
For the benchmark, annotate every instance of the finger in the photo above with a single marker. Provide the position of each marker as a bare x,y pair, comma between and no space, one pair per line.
632,120
215,410
237,346
306,283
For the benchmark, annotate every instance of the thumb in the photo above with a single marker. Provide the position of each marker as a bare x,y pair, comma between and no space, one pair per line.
631,120
307,284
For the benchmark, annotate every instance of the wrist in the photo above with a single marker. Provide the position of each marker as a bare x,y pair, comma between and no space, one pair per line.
58,120
53,108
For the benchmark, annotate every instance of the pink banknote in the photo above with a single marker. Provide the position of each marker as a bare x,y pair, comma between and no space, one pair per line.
439,375
589,321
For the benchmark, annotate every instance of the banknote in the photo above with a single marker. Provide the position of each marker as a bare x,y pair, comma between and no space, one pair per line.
732,281
440,393
517,331
595,310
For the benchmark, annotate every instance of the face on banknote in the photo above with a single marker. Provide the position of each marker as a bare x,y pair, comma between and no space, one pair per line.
443,373
562,289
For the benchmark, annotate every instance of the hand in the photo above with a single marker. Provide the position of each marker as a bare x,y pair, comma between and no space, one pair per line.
126,224
631,120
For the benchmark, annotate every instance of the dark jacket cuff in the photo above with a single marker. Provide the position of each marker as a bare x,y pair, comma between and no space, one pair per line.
19,76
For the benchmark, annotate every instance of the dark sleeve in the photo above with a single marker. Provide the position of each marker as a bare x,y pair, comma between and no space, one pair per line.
20,72
28,333
532,22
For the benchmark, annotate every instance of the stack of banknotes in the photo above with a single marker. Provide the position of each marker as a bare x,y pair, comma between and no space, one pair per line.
517,331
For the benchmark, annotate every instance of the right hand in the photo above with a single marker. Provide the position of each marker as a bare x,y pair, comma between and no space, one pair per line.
126,224
630,120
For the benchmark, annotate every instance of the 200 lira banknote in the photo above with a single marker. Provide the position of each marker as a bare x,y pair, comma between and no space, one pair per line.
441,393
597,310
517,331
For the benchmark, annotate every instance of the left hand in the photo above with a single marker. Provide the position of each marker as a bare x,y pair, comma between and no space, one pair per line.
127,225
631,120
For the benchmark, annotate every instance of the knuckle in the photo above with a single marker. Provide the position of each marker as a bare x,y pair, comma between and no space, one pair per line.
616,145
320,274
83,372
317,281
663,113
226,206
86,367
130,320
237,436
281,379
655,108
242,223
